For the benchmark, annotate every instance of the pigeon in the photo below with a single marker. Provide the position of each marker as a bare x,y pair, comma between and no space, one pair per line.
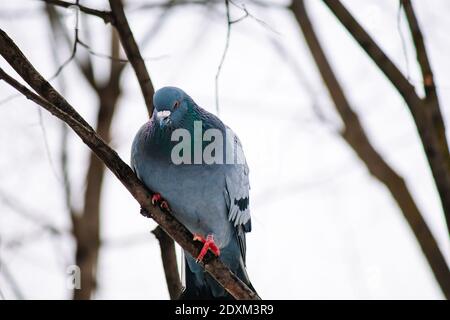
196,165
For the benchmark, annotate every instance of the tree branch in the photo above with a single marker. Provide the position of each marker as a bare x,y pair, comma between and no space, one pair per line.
422,56
132,51
32,217
374,51
104,15
169,259
356,137
7,274
426,115
52,101
86,65
224,53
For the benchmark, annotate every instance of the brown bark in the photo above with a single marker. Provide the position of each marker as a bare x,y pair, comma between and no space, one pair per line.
132,51
52,101
105,15
425,112
169,260
355,136
431,102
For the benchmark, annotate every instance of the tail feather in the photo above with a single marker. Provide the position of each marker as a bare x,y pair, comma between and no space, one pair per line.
199,285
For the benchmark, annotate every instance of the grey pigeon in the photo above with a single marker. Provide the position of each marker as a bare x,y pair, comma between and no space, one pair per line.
210,198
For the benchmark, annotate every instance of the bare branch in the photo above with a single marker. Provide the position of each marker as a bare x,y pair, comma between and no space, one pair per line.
56,25
172,3
169,260
432,105
20,209
230,22
105,15
7,274
52,16
224,53
116,59
134,55
374,51
402,40
356,137
292,63
247,14
426,113
422,56
269,4
54,19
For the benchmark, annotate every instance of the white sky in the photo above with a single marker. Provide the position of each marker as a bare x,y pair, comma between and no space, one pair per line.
322,227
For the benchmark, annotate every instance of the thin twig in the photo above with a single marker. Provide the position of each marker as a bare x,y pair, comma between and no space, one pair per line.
56,26
402,39
249,15
105,15
132,51
171,3
46,144
37,220
169,259
230,22
74,46
61,66
224,53
421,51
288,58
8,276
109,57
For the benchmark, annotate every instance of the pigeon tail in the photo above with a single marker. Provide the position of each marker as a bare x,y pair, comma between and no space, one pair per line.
200,285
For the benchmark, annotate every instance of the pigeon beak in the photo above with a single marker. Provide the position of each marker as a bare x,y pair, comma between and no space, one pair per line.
163,116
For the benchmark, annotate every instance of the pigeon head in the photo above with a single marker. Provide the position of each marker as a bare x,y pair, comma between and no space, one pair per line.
171,105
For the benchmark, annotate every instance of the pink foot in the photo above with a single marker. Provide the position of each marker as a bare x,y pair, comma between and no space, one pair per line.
157,199
208,243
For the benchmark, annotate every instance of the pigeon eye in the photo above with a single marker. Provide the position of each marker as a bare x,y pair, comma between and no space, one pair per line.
176,104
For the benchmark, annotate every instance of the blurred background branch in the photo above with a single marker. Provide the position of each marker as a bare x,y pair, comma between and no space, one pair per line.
354,134
425,112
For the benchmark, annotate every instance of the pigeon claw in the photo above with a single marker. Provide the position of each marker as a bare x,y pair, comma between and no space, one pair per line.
157,199
208,243
164,205
145,213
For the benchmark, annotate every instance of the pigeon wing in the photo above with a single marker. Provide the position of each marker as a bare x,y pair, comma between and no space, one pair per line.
237,191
